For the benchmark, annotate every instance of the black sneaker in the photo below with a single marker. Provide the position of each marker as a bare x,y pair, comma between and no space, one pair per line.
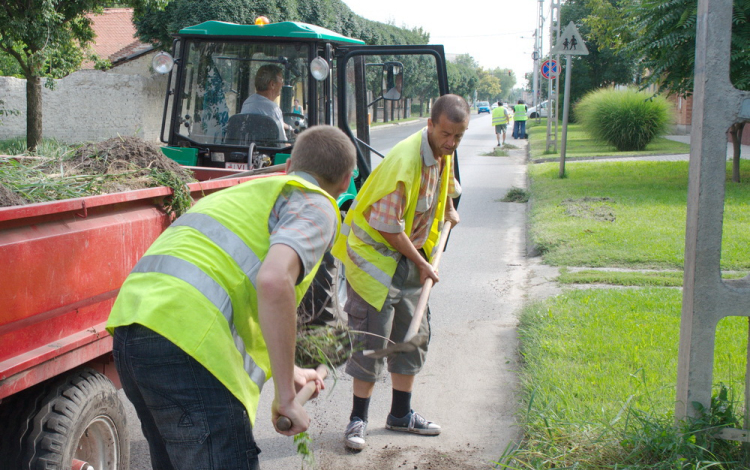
414,423
354,436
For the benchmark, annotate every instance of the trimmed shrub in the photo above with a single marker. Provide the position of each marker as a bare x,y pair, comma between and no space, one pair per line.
628,119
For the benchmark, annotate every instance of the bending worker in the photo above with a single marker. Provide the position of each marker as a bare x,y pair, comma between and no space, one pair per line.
394,225
209,313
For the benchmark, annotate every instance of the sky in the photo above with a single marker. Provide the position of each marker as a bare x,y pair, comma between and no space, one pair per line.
497,33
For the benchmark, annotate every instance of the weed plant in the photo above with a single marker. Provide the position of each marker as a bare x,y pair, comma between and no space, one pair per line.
599,385
628,119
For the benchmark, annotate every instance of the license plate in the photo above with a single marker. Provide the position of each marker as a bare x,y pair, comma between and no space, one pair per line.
237,166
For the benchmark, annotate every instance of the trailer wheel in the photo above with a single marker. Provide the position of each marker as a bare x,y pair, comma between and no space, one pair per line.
79,420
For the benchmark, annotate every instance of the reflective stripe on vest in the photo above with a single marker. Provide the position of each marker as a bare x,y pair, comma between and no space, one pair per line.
203,283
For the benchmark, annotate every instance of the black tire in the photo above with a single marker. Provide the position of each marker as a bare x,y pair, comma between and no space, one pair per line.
77,417
534,115
323,303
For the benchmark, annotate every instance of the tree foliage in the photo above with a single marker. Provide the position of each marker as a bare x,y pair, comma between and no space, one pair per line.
46,39
157,26
660,36
603,67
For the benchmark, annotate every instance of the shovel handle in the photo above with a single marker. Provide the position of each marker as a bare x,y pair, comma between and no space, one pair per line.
282,422
416,320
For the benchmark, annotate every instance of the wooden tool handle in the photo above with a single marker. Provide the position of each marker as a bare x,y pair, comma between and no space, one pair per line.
427,287
282,422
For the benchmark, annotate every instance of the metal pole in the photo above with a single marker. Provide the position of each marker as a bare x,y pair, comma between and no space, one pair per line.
566,109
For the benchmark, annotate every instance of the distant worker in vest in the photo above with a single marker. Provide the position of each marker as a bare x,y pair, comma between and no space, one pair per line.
393,228
500,119
209,313
268,83
519,120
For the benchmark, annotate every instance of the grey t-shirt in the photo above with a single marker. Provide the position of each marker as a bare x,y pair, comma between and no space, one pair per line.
257,104
305,221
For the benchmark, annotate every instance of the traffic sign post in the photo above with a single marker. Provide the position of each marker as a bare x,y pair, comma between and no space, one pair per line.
569,43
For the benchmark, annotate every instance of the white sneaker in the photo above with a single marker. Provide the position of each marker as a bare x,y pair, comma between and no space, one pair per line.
354,436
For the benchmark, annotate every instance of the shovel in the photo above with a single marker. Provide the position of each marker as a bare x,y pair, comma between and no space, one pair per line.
412,340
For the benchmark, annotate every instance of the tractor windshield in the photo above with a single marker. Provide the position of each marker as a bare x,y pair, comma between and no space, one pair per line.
231,93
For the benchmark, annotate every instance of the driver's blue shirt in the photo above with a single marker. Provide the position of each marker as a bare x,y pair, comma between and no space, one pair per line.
257,104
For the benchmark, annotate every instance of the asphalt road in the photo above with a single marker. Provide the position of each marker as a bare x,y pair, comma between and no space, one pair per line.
468,384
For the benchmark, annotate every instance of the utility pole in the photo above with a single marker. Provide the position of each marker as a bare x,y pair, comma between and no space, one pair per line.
552,91
538,34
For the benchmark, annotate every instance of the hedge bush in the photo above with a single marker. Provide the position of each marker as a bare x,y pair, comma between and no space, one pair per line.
628,119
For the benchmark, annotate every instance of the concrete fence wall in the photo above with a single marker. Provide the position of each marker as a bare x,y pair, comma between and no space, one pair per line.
90,105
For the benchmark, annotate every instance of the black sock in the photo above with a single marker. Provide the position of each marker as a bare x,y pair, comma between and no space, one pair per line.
401,404
359,408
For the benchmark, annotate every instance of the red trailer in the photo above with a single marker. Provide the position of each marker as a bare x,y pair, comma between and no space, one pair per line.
61,267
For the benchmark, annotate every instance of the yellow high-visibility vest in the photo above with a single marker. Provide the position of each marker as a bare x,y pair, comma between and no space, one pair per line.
500,116
370,261
196,284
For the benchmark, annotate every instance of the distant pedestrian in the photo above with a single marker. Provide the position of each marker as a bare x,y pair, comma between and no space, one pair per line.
500,119
519,120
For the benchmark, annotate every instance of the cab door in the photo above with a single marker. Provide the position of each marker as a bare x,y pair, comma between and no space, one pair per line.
385,83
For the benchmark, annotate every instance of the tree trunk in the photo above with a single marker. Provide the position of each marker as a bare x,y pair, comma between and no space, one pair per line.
736,131
33,113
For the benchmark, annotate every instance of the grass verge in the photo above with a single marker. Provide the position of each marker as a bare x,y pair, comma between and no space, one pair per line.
580,144
629,278
600,369
628,214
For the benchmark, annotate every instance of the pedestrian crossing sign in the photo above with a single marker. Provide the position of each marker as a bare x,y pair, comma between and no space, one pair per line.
570,42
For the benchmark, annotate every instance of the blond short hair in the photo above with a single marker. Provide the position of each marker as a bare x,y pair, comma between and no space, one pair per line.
324,151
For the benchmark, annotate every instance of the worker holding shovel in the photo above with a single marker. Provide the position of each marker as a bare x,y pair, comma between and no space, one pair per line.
394,229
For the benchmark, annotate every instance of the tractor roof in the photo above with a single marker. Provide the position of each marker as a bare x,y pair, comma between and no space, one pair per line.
286,29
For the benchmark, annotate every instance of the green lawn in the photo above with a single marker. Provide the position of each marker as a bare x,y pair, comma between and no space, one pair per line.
627,214
600,368
581,144
600,365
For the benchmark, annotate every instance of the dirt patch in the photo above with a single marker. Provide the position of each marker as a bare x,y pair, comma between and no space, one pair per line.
595,208
114,165
402,457
9,198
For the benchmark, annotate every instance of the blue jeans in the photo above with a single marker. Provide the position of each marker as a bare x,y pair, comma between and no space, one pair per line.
519,129
190,420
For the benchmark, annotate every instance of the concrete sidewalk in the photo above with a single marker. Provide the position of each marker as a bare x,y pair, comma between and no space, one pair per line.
744,153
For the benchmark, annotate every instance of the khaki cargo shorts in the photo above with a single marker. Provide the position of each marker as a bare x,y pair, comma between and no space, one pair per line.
392,321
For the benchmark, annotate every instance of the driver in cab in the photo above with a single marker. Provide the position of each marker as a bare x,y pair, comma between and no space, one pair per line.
268,83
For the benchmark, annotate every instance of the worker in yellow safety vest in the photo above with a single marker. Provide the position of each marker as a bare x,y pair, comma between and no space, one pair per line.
392,231
519,120
500,119
208,314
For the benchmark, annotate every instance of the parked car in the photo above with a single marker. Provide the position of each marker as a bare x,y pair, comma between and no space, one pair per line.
542,111
494,105
483,107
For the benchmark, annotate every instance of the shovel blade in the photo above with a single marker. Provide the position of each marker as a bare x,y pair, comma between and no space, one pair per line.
395,348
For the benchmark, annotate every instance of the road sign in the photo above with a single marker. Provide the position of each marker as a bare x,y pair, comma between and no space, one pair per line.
550,69
570,42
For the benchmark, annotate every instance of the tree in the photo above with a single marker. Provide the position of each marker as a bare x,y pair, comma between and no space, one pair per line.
489,87
660,35
46,39
603,67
